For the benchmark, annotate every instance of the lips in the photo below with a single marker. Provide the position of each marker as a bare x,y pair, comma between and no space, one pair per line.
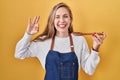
62,25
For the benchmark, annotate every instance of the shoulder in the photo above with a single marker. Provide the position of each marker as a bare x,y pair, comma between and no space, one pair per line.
42,42
78,37
41,39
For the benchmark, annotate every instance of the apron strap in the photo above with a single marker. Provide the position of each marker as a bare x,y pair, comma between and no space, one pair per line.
52,43
71,43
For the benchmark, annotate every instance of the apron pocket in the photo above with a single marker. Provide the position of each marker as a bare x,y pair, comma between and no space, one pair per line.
67,70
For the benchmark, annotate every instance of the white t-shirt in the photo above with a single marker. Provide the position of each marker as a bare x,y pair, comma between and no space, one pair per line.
87,60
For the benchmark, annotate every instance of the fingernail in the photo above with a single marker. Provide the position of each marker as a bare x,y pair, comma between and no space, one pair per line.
94,33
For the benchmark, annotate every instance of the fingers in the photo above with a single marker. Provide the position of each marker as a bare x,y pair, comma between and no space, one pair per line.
38,17
29,22
35,20
104,35
37,27
33,27
96,39
99,38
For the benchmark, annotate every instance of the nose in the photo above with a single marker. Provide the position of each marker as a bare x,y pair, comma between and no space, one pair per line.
61,19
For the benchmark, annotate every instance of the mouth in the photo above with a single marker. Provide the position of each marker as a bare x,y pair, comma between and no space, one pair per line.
62,25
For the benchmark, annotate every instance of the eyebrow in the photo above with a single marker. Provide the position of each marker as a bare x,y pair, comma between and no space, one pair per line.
63,14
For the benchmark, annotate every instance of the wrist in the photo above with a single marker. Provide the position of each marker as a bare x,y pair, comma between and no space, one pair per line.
95,49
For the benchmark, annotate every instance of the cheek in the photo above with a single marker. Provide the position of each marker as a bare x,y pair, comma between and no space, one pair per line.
69,22
55,22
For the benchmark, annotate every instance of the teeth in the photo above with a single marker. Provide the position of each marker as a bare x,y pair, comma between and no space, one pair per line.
62,25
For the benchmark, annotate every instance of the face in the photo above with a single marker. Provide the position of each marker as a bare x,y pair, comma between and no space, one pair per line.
62,20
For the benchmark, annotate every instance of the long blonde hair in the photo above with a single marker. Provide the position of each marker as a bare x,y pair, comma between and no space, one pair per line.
50,30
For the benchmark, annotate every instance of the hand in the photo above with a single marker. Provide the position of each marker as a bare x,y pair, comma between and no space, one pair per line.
33,26
98,40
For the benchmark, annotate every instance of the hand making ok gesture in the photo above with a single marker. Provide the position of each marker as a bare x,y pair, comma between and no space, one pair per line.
33,26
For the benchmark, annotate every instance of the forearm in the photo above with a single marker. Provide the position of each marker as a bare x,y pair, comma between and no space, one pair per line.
22,46
91,62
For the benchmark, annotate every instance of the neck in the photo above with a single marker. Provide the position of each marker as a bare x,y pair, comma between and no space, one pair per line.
62,34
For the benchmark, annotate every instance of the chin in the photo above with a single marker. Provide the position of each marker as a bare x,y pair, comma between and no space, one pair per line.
63,31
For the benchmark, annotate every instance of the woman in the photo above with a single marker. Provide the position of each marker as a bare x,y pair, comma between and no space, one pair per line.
59,50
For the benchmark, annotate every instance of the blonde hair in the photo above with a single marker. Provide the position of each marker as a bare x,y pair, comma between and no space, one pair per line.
50,30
